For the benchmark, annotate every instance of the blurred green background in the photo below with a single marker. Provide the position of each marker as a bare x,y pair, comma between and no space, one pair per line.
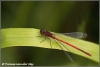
55,16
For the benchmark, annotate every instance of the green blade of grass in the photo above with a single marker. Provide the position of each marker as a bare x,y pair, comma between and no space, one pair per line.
28,37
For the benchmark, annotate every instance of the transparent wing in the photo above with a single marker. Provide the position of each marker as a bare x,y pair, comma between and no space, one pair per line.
76,34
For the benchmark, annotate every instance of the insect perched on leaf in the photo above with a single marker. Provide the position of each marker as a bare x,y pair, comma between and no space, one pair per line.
75,34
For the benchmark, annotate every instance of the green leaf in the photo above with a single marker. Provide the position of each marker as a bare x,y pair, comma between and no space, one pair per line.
28,37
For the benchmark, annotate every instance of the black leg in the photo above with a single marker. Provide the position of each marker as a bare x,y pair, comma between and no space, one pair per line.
44,39
50,42
39,36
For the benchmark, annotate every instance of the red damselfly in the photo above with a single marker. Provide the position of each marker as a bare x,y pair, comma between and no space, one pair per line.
75,34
